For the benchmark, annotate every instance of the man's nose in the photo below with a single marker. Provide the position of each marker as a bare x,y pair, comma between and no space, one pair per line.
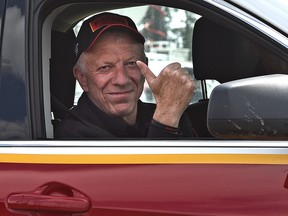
120,75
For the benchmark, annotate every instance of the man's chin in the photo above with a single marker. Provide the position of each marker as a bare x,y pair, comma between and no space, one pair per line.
123,110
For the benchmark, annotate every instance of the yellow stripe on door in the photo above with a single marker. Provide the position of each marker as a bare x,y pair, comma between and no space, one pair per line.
145,158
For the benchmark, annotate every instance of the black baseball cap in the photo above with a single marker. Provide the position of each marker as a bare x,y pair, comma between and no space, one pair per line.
96,25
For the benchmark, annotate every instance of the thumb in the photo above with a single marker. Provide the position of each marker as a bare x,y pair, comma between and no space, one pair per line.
146,72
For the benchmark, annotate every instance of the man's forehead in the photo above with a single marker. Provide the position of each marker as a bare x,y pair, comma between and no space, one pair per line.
116,47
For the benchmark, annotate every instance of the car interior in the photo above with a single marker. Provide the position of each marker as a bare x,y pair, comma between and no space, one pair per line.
219,52
216,44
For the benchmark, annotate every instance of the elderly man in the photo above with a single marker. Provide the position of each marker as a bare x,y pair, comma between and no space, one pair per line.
111,69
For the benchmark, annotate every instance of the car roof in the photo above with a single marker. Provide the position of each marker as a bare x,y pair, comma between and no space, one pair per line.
266,10
73,13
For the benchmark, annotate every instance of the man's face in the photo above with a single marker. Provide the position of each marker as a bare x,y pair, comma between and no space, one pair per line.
112,79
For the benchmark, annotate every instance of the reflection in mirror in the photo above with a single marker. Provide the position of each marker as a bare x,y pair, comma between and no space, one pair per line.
13,121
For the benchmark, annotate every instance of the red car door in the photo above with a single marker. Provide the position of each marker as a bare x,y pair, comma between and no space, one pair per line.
132,181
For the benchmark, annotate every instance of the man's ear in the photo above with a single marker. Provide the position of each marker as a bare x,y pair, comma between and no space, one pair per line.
81,78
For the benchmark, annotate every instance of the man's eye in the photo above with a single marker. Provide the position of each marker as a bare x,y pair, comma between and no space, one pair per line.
105,68
131,63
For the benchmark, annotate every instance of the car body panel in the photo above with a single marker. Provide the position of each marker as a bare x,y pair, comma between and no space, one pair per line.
186,188
164,180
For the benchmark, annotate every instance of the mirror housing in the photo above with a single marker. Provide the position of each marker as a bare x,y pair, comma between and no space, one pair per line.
252,108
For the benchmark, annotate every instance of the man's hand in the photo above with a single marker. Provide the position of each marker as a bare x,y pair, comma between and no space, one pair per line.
173,90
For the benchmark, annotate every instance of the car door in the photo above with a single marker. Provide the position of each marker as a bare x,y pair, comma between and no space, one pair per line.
168,179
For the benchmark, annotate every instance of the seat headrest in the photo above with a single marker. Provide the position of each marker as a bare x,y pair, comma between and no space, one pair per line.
62,62
220,53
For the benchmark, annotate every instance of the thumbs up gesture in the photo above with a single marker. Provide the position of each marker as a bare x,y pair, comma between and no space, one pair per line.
173,90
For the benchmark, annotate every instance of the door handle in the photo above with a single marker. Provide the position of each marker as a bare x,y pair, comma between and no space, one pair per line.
51,197
30,202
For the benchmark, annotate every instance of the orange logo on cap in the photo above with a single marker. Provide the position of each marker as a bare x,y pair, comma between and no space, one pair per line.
107,20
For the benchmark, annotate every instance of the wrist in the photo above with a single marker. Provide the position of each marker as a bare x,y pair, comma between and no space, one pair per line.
174,130
167,118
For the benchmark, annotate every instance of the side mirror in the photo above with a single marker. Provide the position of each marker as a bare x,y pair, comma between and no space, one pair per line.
252,108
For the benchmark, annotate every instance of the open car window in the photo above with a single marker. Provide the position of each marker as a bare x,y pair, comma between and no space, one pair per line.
215,52
168,32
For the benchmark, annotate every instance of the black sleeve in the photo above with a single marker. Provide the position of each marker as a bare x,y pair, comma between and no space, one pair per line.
72,128
158,130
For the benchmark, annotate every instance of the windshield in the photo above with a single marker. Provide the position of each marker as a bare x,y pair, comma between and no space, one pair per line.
274,12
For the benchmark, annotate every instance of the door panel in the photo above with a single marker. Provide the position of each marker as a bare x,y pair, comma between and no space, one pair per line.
143,189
